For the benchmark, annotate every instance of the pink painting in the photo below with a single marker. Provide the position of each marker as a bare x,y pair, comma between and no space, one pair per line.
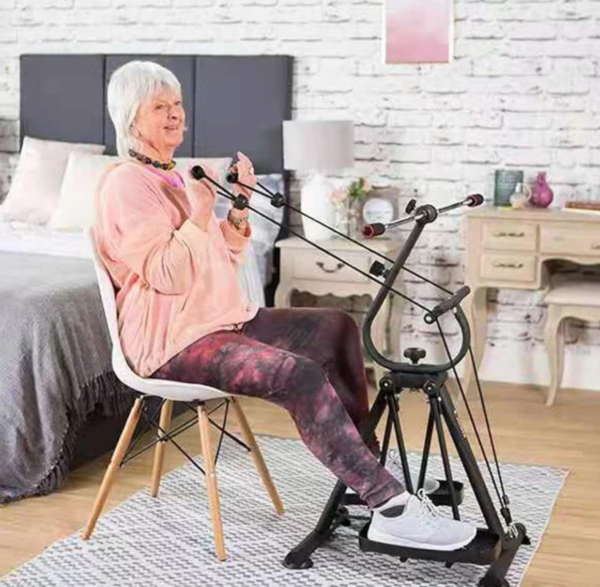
418,31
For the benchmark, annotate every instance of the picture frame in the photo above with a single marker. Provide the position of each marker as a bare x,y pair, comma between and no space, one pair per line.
380,205
505,183
418,32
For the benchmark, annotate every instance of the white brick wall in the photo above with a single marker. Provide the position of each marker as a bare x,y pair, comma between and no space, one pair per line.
524,90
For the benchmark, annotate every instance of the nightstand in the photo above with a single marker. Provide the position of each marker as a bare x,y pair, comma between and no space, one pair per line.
305,268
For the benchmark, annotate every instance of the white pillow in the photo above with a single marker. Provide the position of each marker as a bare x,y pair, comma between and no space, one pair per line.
75,209
264,232
35,190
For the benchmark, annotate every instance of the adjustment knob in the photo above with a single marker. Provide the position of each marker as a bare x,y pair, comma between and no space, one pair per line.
278,200
415,355
378,269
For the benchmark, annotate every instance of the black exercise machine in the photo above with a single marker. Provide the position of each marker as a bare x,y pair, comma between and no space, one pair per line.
497,544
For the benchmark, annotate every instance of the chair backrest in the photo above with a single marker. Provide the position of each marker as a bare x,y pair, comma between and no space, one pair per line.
109,305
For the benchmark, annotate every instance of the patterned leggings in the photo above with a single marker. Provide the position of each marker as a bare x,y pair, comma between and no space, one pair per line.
308,361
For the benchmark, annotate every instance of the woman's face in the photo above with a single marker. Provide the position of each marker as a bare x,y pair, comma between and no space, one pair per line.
160,122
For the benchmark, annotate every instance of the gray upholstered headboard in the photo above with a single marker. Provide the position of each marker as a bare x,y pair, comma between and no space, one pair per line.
233,103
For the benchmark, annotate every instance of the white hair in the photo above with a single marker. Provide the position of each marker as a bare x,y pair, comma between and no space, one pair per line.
129,87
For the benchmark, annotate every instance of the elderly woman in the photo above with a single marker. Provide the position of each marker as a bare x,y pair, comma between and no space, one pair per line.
183,316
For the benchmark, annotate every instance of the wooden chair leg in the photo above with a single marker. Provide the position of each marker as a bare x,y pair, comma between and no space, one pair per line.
211,481
159,452
554,338
111,471
261,466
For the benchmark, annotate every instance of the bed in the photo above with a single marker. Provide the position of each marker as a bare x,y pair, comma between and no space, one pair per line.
61,403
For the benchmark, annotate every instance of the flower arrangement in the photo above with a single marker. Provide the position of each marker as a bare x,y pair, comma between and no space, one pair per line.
347,200
359,189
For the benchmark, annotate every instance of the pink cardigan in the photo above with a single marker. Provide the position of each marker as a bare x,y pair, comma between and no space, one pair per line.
176,282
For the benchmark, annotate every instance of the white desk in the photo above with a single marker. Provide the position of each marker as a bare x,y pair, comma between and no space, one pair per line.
508,248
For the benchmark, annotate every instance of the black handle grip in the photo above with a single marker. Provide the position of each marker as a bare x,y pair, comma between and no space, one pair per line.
239,203
448,304
197,172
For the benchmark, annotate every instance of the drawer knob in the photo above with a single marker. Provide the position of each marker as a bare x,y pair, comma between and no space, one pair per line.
508,265
510,234
321,265
596,247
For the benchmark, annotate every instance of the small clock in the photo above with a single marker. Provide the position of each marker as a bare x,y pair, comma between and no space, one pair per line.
378,209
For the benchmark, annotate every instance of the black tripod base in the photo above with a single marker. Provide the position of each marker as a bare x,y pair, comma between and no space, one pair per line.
483,550
441,497
492,547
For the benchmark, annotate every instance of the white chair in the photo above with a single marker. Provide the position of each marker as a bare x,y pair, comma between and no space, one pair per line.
169,392
571,299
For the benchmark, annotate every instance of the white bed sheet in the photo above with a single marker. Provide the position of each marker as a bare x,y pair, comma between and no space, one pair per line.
20,237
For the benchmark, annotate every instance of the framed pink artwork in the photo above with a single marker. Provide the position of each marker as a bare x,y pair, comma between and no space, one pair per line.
418,31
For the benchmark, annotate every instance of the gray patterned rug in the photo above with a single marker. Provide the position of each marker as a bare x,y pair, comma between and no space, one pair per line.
167,542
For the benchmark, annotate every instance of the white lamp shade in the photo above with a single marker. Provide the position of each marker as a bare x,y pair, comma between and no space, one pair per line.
318,145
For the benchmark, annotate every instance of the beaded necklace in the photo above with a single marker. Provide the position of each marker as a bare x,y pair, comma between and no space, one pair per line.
147,161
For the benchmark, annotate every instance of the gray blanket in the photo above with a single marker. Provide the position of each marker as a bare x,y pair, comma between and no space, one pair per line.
54,368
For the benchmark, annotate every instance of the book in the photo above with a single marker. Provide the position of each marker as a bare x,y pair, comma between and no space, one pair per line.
592,211
505,183
576,205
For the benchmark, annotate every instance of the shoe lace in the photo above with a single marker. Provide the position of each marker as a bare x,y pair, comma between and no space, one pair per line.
428,513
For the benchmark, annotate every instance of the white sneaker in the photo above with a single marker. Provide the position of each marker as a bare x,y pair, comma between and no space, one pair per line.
394,465
420,525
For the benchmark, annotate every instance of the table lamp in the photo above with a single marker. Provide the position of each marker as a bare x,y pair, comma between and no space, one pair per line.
318,146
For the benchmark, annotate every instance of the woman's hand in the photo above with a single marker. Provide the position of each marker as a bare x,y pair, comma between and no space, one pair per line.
245,171
202,197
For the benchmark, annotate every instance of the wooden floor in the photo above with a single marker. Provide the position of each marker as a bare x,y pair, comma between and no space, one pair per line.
566,436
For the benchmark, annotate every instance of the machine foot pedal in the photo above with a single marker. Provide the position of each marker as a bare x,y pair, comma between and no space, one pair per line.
443,496
483,550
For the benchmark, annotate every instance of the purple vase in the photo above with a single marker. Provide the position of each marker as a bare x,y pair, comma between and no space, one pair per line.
541,195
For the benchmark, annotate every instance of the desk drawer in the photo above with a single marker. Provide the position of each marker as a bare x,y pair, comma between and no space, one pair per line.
319,266
500,267
571,241
509,236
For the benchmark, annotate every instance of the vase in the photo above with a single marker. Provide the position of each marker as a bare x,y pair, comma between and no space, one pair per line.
354,224
542,195
521,196
315,200
341,217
